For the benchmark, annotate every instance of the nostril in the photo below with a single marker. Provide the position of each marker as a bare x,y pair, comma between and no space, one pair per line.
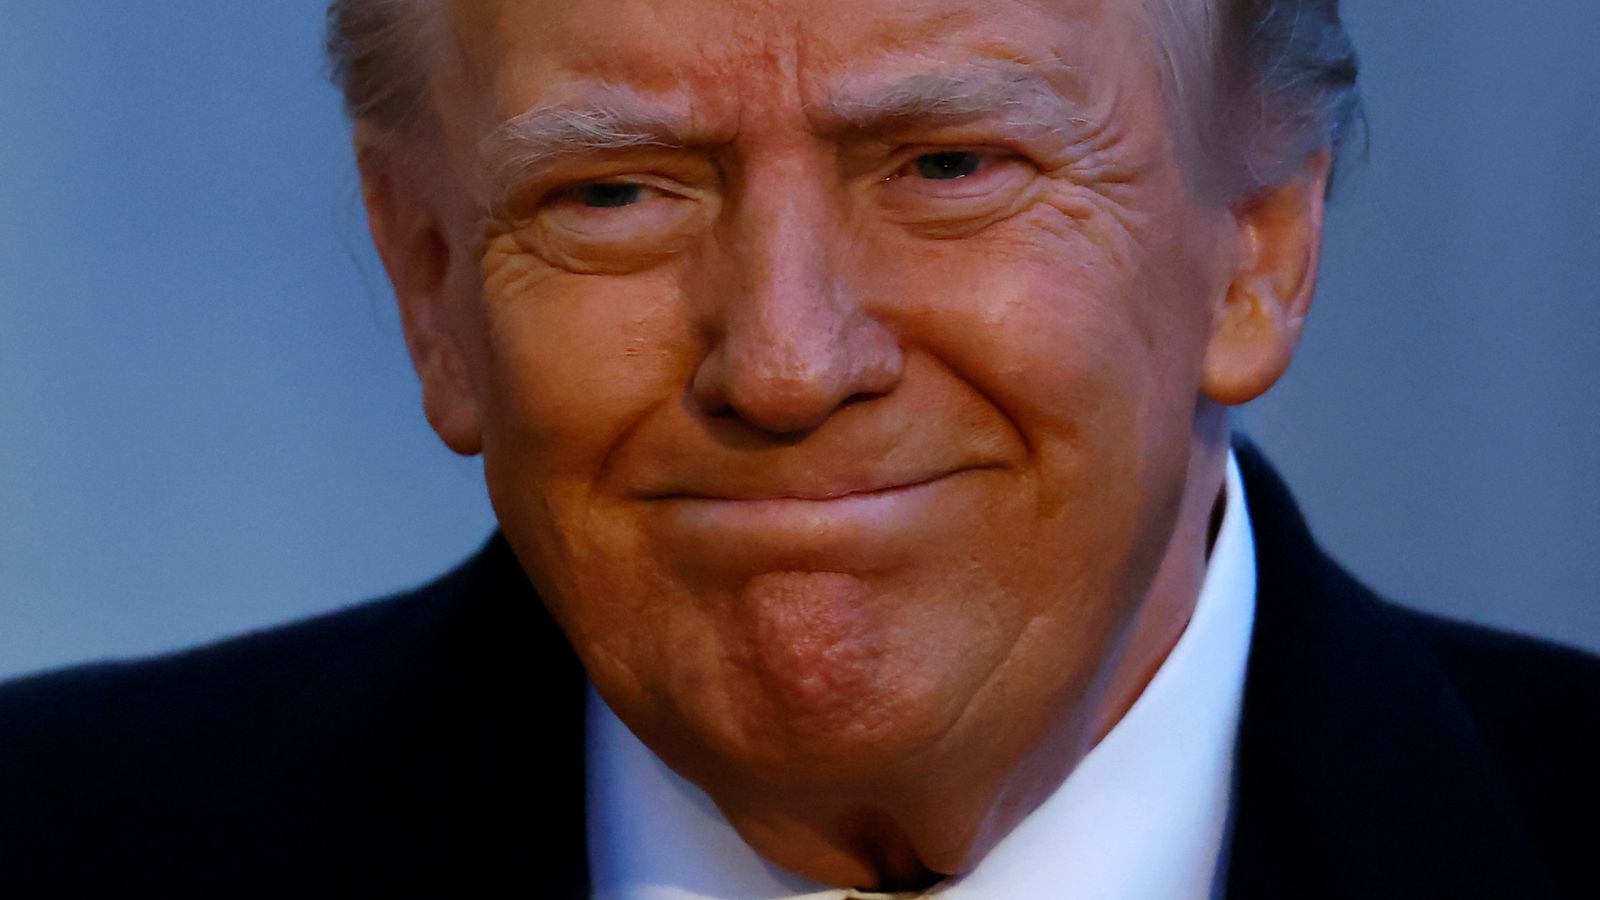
860,397
786,376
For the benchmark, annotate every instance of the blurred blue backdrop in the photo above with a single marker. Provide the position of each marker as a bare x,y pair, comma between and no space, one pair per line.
208,423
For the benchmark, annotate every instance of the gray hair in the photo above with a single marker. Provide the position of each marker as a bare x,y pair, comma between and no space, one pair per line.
1270,82
377,57
1292,70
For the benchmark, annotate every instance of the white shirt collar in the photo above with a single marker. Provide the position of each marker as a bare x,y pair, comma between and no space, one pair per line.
1144,815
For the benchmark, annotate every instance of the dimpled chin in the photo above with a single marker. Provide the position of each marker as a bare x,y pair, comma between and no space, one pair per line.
817,642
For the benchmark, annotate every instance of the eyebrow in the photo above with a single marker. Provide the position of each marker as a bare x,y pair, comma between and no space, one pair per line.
1037,95
1022,96
530,141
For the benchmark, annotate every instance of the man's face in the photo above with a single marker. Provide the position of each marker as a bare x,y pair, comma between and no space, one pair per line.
840,403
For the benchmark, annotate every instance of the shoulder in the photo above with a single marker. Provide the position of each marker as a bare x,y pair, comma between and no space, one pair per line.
1531,702
1463,753
298,669
1536,706
1515,686
293,756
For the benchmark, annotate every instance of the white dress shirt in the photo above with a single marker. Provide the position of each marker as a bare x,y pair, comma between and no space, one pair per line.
1142,817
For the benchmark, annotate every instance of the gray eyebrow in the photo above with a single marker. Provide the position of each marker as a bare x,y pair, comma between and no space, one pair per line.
1017,94
534,139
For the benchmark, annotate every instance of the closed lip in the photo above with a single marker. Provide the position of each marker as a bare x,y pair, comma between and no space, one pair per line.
831,491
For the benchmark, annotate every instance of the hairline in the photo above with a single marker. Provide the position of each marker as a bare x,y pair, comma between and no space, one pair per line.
1188,40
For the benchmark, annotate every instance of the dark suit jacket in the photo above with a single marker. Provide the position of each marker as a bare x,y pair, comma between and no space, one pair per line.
430,744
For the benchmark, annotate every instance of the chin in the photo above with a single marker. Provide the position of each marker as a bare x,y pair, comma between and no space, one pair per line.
876,738
867,732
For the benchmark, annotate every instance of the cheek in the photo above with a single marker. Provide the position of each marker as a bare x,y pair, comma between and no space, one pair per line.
1092,313
574,359
574,362
1073,330
1051,326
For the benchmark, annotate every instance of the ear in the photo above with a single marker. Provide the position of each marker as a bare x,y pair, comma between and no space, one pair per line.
409,234
1258,324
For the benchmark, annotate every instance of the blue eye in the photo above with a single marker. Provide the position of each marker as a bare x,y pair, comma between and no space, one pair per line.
947,165
610,194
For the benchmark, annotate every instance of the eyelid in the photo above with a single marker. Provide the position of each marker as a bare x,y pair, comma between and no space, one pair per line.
570,191
669,173
946,208
989,153
996,166
622,238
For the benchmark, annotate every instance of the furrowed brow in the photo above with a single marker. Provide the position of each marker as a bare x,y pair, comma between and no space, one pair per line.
1037,96
525,144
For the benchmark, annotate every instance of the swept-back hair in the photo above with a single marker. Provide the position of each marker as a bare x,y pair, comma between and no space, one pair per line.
1265,82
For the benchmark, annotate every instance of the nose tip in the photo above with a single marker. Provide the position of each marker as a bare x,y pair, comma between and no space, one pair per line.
788,309
791,381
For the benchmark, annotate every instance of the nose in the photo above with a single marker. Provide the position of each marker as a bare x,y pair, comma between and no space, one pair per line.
793,340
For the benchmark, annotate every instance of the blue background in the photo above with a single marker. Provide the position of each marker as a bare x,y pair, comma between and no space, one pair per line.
208,423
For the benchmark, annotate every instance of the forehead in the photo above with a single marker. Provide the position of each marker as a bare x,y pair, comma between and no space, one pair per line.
727,58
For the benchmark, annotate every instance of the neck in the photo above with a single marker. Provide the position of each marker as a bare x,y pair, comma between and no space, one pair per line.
1169,605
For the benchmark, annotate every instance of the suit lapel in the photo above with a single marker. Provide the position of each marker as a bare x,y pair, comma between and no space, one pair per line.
535,730
485,762
1359,774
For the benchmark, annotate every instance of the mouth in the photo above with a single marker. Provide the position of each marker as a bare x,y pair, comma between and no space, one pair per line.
823,493
818,523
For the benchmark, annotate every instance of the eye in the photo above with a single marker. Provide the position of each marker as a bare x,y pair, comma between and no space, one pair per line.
619,222
609,194
947,165
955,186
614,201
955,172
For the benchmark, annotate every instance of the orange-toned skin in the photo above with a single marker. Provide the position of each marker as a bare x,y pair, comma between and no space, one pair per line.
870,500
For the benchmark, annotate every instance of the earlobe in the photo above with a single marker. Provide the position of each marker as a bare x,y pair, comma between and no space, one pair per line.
410,240
1257,324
